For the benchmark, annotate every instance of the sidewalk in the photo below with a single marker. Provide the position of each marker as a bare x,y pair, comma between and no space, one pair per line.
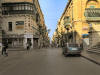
16,52
13,53
94,57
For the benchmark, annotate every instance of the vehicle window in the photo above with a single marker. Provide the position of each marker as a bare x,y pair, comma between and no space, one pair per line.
73,45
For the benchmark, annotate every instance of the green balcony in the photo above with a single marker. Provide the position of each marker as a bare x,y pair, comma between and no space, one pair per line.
93,18
67,21
92,14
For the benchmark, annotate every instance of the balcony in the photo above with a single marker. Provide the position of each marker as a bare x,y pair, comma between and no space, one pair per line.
18,8
17,12
67,22
92,14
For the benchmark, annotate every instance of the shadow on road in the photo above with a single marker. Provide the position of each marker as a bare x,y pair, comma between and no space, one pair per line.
70,55
17,50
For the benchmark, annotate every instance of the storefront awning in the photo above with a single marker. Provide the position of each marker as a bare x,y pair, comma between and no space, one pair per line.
85,35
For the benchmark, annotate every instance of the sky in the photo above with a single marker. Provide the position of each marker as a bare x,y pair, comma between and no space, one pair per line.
52,10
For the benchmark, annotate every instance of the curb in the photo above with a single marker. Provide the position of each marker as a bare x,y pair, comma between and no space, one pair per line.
92,60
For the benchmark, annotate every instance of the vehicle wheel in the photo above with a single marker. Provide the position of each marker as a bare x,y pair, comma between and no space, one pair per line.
79,55
65,55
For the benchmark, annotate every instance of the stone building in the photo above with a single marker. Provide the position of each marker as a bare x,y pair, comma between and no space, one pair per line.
55,40
60,32
0,29
21,22
79,18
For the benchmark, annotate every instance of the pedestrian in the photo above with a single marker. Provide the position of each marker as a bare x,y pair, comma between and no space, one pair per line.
4,49
28,44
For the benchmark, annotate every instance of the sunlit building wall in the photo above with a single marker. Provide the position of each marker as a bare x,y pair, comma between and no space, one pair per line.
79,16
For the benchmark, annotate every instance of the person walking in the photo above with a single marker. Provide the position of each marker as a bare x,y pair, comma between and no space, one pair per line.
4,49
29,44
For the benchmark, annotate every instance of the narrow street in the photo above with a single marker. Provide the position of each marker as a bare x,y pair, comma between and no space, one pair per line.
46,62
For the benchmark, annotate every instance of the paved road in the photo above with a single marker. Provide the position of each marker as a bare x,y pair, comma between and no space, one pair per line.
46,62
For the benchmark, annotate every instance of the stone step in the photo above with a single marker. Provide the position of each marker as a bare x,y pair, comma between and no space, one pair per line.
98,49
96,46
94,51
93,48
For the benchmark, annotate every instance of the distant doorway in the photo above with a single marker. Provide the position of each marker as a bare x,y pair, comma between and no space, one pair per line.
28,40
35,41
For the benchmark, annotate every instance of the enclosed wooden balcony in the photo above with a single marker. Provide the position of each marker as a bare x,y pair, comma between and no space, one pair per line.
18,8
92,14
67,21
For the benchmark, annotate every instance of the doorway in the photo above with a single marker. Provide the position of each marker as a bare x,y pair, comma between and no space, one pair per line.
35,41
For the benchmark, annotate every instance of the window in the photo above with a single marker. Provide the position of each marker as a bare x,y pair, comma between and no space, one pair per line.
92,6
29,7
26,7
20,7
14,8
67,19
17,8
10,8
5,9
19,22
37,17
23,6
10,26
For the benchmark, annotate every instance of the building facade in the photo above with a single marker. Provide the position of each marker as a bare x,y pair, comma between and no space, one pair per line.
0,29
22,21
81,20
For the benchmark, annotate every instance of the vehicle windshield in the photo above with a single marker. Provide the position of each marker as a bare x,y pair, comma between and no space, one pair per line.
73,45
